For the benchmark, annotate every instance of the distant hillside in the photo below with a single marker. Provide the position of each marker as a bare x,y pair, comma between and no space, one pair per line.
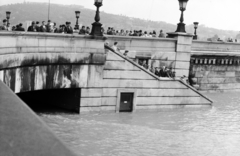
22,12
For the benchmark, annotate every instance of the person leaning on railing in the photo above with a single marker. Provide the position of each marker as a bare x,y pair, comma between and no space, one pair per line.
43,27
125,53
61,29
19,27
170,73
184,79
115,47
157,71
161,35
88,31
32,28
4,26
68,28
82,31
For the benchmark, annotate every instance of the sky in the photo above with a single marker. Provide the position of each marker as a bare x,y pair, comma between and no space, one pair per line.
220,14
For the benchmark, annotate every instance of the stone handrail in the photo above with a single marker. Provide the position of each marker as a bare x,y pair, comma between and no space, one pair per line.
153,75
218,48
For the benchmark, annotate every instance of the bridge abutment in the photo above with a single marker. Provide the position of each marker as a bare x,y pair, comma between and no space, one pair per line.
35,62
183,53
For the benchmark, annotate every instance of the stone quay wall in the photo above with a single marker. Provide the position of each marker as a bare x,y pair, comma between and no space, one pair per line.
31,61
170,52
216,66
34,61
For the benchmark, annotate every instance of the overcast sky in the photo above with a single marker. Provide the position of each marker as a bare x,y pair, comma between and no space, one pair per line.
221,14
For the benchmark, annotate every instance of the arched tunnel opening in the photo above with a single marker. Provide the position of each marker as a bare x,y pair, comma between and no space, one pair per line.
53,101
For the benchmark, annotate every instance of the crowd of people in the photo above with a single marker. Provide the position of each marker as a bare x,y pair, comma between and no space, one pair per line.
139,33
51,27
158,71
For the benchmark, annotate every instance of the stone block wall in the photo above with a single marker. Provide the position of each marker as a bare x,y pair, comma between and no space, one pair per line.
161,52
31,61
216,73
216,65
170,52
41,61
121,73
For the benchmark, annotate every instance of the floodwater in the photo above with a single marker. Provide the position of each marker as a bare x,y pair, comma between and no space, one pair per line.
213,131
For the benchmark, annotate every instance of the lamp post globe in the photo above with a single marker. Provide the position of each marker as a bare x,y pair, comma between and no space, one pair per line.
97,26
98,2
195,32
182,4
195,25
182,8
77,17
8,13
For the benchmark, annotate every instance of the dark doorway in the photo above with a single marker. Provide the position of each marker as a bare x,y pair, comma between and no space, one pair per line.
55,100
126,102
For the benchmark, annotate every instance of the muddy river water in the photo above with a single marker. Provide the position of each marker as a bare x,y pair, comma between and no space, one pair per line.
213,131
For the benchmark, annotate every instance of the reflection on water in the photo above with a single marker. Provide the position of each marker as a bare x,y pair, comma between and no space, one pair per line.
184,132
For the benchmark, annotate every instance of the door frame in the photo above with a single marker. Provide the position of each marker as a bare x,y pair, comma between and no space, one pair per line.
133,91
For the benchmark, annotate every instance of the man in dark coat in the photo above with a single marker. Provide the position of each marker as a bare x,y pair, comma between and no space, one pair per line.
32,28
68,28
48,26
43,27
157,71
61,29
82,31
134,33
109,31
4,26
145,64
88,30
19,27
37,27
55,29
163,72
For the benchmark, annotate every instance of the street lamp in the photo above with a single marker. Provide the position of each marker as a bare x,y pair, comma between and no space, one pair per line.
77,16
49,9
195,33
96,26
8,13
181,25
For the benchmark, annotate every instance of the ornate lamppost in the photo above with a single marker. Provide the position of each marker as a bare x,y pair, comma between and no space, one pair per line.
49,9
96,26
181,25
195,32
77,17
8,13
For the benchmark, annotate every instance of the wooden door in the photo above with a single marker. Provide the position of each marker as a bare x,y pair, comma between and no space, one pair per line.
126,102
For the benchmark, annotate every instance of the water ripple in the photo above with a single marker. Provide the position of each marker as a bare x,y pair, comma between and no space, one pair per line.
184,132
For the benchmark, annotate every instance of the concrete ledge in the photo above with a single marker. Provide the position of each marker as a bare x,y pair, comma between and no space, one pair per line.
22,132
17,33
155,108
140,38
214,47
215,42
